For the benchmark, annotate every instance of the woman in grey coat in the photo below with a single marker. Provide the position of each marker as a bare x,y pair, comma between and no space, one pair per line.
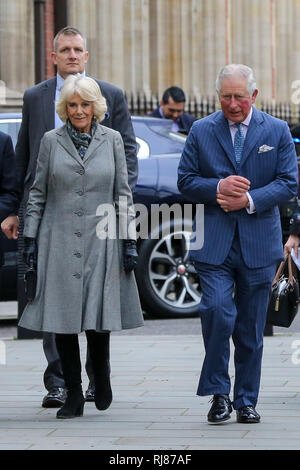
80,230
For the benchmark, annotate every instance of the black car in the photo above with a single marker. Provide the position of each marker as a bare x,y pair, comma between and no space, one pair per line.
168,284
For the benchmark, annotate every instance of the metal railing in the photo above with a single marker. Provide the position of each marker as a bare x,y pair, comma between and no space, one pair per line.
140,104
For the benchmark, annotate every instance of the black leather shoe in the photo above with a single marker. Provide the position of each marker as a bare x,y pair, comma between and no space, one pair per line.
220,409
90,393
247,414
55,398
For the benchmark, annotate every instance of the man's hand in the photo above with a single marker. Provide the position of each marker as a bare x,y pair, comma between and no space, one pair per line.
232,203
234,185
292,242
10,227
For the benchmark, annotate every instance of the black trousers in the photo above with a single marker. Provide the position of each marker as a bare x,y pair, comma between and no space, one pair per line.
53,375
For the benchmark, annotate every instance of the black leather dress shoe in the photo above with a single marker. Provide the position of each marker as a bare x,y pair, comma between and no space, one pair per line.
220,409
247,414
90,393
55,398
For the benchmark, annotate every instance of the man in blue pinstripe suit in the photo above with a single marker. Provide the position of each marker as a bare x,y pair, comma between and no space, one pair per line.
241,164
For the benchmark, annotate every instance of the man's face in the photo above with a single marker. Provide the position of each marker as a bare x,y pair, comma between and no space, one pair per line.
235,99
70,56
172,109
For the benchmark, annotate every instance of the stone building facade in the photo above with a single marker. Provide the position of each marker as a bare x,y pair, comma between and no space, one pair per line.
144,46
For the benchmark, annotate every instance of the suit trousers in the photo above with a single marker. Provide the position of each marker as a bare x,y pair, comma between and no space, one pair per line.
53,375
233,305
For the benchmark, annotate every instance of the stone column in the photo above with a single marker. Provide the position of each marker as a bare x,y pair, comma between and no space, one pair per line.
16,52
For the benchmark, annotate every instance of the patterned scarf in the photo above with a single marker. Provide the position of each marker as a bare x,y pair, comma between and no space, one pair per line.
81,140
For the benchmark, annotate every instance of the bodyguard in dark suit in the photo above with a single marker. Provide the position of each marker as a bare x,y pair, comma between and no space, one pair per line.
172,107
9,193
70,56
241,164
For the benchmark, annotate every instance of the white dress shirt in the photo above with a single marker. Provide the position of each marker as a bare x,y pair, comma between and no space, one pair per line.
244,130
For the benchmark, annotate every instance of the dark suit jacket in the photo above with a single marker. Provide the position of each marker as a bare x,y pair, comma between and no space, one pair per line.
184,122
38,118
9,194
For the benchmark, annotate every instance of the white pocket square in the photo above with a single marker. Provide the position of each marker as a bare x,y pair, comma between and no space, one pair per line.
264,148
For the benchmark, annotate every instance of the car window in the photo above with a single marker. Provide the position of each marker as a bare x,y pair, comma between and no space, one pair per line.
11,127
159,138
143,150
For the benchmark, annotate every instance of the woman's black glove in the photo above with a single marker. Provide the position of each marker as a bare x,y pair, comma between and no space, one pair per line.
130,255
30,251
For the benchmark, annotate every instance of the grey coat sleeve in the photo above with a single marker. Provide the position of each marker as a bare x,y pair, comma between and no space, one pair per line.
122,193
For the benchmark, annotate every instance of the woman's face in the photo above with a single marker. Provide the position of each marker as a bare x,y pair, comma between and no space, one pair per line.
80,113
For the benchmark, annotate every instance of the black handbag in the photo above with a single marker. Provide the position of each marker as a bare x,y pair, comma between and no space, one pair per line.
284,296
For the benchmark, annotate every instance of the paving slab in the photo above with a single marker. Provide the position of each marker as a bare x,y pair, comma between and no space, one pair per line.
155,407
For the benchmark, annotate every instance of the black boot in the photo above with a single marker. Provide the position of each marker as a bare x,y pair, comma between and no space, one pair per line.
99,353
68,350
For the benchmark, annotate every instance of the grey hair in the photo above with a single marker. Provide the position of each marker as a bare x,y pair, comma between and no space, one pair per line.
88,89
233,70
68,31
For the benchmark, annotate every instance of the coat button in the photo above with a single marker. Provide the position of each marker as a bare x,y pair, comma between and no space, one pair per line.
81,171
77,254
77,275
79,213
78,234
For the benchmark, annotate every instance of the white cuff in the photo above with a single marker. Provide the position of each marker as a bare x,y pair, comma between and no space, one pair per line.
250,209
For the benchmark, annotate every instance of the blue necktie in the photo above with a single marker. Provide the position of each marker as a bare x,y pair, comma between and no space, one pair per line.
239,140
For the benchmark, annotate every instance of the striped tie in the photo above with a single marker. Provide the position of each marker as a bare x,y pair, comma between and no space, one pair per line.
238,142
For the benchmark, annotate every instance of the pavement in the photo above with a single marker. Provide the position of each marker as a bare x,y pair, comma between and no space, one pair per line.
155,407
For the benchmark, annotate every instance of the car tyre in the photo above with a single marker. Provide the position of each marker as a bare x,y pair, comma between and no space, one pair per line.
168,283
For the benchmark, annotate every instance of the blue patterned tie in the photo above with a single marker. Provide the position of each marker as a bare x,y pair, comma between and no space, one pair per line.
239,140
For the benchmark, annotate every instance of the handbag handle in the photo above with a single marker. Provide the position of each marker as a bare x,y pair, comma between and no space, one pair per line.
290,270
281,267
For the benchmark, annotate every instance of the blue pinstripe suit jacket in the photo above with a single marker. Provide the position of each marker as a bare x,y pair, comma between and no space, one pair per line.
208,156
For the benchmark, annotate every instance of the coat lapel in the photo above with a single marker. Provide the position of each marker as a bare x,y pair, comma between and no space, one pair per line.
253,134
48,100
66,142
223,135
97,140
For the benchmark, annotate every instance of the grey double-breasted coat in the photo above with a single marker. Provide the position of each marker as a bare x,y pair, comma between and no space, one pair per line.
81,281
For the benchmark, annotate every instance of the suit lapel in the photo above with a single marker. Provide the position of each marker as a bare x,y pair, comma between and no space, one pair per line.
48,103
253,134
223,135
